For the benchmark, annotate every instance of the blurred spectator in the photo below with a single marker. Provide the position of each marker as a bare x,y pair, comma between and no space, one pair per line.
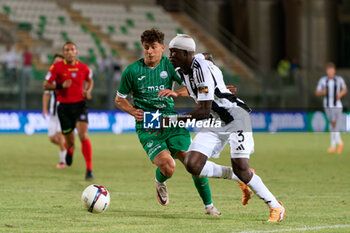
27,58
294,69
283,69
117,68
294,65
9,61
104,64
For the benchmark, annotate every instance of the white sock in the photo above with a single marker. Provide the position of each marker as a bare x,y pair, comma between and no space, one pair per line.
63,156
210,205
211,169
338,138
333,139
261,191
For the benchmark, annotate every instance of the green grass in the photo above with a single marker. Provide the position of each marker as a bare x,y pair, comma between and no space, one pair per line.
37,197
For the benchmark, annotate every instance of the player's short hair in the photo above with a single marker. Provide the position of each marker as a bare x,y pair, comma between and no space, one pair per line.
70,42
330,65
152,35
58,55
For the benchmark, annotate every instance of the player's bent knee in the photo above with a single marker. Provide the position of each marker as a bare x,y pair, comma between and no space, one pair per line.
193,167
168,169
194,162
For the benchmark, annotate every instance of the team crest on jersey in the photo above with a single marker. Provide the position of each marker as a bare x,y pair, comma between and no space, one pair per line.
150,143
203,89
164,74
74,75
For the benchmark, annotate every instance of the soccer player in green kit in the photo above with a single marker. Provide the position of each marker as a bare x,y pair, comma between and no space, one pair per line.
144,78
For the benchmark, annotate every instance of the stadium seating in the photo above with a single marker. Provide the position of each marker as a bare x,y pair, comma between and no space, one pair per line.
125,25
47,21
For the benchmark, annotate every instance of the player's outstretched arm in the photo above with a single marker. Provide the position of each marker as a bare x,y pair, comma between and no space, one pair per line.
124,105
201,112
178,93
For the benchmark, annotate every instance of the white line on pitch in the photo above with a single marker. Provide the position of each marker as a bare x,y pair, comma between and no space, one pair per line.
306,228
172,193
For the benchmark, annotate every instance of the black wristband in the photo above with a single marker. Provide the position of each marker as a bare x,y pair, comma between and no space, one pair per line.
59,86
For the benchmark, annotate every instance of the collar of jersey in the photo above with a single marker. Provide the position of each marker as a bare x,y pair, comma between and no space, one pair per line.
65,62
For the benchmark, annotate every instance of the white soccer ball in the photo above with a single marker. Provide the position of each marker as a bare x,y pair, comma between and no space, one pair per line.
95,198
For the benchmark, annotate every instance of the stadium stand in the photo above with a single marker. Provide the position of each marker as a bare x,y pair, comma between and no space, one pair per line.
47,21
125,24
110,28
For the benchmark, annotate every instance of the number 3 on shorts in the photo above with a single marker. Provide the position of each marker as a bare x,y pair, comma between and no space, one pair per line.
240,134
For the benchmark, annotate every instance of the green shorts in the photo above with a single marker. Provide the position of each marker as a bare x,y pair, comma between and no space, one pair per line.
172,140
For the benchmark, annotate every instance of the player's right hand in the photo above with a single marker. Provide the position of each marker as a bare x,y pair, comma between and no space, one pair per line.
167,93
232,89
67,83
138,114
45,112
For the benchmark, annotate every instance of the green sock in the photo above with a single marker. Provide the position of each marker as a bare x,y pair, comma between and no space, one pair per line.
160,177
203,188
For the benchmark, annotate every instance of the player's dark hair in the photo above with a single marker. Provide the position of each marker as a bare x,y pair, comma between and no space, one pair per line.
70,42
152,35
330,65
58,55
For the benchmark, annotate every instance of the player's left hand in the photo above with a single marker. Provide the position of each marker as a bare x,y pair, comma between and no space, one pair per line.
167,93
232,89
87,95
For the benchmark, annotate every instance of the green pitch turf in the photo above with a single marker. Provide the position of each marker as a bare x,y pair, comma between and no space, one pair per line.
36,197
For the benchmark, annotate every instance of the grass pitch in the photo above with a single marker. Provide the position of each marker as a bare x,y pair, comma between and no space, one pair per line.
36,197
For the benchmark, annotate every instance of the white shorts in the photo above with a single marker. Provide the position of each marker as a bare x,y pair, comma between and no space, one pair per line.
54,125
334,114
238,133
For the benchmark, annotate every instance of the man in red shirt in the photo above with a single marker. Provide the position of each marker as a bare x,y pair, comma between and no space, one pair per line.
69,76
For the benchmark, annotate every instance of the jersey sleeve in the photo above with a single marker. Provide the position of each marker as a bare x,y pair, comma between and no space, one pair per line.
52,74
320,85
342,84
89,73
204,82
125,85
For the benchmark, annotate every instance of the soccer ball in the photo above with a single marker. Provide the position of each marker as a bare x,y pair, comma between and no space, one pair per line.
95,198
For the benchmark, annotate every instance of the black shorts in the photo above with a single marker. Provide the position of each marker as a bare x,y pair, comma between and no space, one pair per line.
69,114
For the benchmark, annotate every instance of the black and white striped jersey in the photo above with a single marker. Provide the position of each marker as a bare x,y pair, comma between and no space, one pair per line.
333,87
53,102
205,82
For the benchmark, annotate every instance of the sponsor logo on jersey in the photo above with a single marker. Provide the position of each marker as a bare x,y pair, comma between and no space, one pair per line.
155,88
164,74
73,69
160,105
74,75
151,120
142,77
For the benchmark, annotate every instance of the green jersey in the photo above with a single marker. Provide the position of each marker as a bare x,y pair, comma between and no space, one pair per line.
145,83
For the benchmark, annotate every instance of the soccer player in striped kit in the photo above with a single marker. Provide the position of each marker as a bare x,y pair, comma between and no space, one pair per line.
144,78
54,129
332,88
204,83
